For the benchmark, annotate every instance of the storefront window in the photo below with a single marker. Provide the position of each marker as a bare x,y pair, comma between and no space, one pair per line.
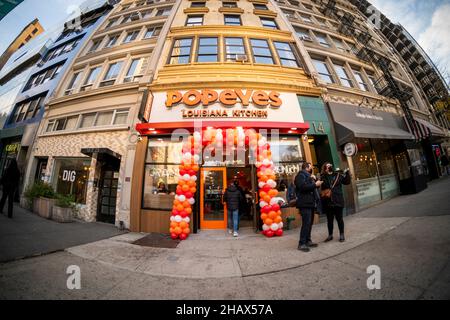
161,173
287,149
367,183
72,177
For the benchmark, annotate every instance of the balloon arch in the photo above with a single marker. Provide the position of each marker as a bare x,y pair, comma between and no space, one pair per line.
213,139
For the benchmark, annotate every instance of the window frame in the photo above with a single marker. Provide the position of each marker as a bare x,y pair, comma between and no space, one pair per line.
324,76
258,55
171,56
111,79
346,79
193,16
262,19
226,54
232,16
292,51
198,55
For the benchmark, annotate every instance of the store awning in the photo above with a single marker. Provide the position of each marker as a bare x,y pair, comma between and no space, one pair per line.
357,122
425,129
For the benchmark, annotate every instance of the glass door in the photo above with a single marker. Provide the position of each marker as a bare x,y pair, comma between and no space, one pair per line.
213,213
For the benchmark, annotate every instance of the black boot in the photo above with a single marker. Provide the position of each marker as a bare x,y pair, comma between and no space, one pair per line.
329,238
342,238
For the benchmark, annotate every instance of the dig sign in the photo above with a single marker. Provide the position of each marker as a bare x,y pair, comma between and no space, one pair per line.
69,176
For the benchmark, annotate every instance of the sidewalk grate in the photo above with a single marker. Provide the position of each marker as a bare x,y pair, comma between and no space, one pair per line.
157,240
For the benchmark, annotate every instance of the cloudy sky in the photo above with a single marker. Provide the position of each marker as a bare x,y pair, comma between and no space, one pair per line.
427,20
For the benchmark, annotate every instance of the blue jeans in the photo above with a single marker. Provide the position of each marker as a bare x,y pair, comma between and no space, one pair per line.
233,220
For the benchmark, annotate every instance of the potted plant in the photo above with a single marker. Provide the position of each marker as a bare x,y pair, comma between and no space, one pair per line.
63,208
41,197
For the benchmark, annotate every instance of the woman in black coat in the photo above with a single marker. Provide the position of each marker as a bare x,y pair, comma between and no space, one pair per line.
10,182
333,207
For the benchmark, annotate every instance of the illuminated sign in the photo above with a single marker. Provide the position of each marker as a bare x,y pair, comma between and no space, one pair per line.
193,98
12,148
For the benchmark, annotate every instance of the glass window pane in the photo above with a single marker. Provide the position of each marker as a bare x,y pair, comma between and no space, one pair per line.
104,119
87,120
164,150
209,58
72,177
264,60
71,123
121,118
160,183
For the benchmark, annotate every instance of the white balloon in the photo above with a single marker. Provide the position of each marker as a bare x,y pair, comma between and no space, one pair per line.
274,227
172,219
191,201
262,142
280,225
261,184
262,204
265,227
182,198
178,219
187,155
266,162
196,158
187,219
273,201
186,177
258,164
193,178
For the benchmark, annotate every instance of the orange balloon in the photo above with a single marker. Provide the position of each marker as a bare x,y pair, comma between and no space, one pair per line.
188,210
172,230
186,204
181,182
272,176
259,174
176,202
180,207
273,193
268,221
183,225
267,199
195,167
262,194
191,184
193,190
173,225
264,216
278,219
187,166
186,231
185,188
272,215
264,178
177,230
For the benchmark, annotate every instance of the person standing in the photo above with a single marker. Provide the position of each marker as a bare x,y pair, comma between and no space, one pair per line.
10,182
233,198
307,198
332,197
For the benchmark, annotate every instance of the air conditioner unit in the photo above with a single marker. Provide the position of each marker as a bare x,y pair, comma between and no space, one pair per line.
136,16
306,38
241,58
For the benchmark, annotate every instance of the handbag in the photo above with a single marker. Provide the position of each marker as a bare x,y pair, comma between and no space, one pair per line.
326,194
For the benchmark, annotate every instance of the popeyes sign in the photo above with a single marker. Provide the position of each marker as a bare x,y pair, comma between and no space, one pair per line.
225,105
228,98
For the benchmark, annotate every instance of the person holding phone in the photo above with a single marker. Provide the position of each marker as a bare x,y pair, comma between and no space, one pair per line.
332,197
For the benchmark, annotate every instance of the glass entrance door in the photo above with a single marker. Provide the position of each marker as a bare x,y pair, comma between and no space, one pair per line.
213,213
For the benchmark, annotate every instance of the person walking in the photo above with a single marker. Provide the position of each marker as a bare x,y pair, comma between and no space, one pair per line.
10,183
307,197
233,198
332,197
444,163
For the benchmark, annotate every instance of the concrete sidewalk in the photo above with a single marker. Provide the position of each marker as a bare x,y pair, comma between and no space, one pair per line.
28,235
215,254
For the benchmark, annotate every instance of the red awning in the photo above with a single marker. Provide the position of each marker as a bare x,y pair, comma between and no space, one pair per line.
169,127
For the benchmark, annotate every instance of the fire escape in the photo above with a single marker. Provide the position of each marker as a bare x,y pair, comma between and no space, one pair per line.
386,85
423,69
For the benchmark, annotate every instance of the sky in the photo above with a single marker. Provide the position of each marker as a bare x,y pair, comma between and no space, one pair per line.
428,21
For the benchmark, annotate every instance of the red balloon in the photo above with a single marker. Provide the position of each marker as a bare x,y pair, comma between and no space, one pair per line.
266,188
191,173
279,232
183,214
183,172
269,233
266,209
263,232
174,236
179,191
175,212
183,236
275,207
188,194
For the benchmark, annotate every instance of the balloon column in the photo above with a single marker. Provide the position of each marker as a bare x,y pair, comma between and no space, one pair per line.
270,209
211,140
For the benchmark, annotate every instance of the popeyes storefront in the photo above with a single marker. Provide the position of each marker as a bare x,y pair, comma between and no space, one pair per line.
194,143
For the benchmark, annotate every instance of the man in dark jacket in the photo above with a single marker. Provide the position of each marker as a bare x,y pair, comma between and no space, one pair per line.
333,207
233,199
305,188
10,182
